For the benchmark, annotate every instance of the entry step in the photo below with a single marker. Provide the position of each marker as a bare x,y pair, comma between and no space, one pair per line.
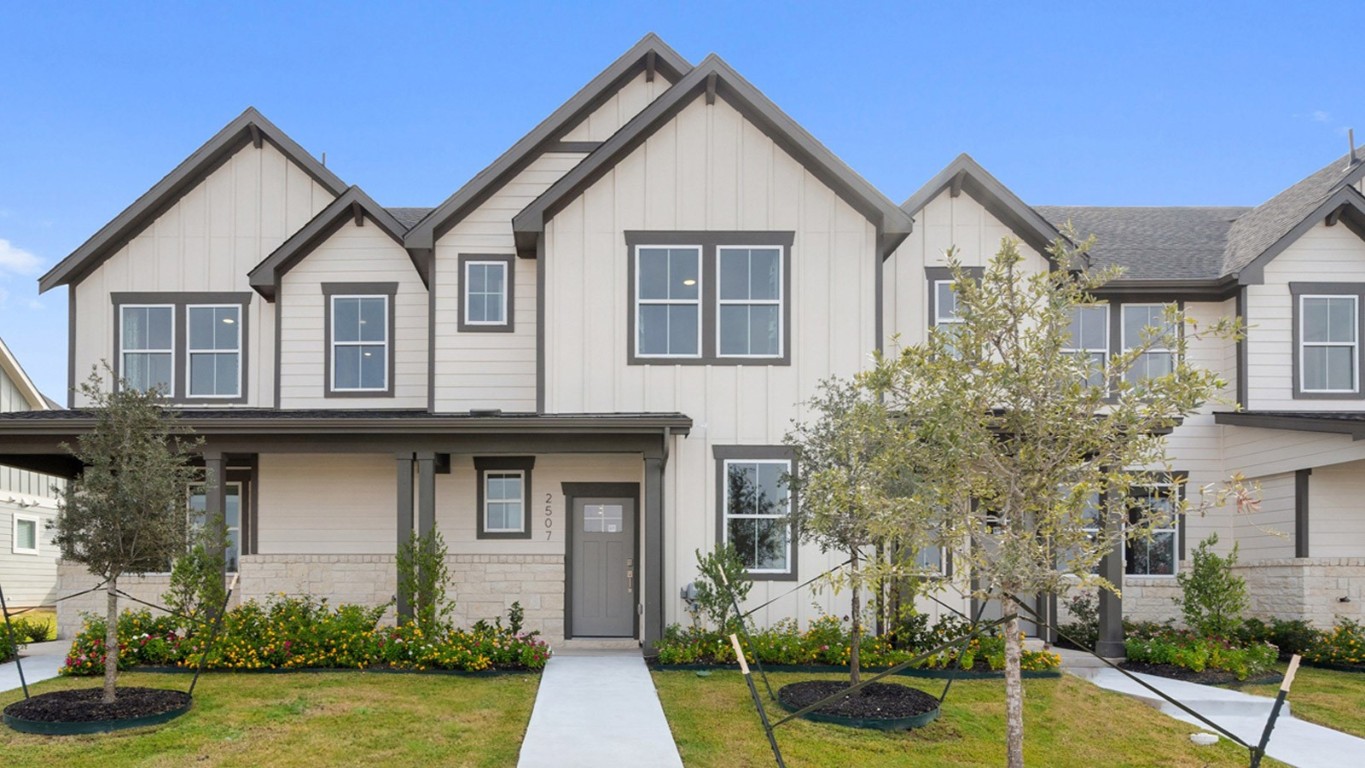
598,644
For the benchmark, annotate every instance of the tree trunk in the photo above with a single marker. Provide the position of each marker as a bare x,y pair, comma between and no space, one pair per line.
1014,688
111,640
854,673
881,594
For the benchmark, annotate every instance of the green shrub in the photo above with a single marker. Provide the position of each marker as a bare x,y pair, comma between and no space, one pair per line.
714,601
424,576
1290,636
1212,597
1084,629
1343,644
1190,651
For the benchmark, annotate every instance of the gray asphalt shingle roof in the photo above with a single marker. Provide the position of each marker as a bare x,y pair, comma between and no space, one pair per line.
409,216
1152,243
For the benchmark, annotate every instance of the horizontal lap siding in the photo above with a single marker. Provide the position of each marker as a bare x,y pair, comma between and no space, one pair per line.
327,504
491,370
352,255
1323,254
1336,511
208,241
28,580
1268,532
708,169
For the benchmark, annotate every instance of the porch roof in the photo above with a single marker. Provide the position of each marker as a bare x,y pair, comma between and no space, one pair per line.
1339,422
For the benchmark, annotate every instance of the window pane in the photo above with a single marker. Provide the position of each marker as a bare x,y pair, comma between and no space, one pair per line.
477,308
682,329
232,506
945,301
761,544
734,329
653,330
227,376
772,490
374,319
373,366
1340,368
134,324
346,319
1088,328
1315,368
653,267
203,378
478,278
493,308
750,330
28,534
233,548
683,267
201,328
1341,320
160,322
346,367
227,325
734,273
765,274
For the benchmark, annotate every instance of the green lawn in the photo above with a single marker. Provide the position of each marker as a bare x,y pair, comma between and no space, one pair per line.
304,719
1068,722
1326,697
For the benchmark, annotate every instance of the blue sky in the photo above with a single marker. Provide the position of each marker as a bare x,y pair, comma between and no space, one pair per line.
1084,103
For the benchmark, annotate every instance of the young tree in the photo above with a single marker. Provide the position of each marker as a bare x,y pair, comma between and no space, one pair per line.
850,480
127,512
1212,595
1028,453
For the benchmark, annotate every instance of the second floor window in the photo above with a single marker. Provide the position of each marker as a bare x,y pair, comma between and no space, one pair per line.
147,354
214,348
1138,320
360,343
1088,335
1329,346
750,287
668,302
487,298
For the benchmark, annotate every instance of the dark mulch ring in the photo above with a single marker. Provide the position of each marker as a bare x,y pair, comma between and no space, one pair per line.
84,705
1207,677
873,702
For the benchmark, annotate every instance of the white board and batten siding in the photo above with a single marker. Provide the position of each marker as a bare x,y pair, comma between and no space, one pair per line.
207,241
353,254
708,169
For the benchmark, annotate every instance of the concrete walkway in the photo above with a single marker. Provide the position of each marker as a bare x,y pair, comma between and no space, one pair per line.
1295,742
597,709
41,662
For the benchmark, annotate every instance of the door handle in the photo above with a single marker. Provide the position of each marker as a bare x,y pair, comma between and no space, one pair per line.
630,580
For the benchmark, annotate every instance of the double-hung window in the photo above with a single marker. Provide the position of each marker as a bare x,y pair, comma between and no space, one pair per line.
214,349
504,496
755,508
486,293
1156,554
360,343
1088,340
25,541
232,519
1143,321
147,347
750,287
709,298
1329,343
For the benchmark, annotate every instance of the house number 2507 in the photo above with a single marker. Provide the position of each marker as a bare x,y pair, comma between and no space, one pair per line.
549,512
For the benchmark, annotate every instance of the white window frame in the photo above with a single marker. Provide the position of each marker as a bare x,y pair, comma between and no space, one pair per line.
939,317
778,302
1086,352
37,534
1355,345
697,302
726,515
190,352
170,390
201,489
1123,331
1171,491
387,343
489,474
502,265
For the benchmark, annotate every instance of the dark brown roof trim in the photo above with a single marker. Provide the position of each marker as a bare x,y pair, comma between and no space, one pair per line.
651,54
714,74
353,206
249,128
966,174
1217,289
1347,423
1346,205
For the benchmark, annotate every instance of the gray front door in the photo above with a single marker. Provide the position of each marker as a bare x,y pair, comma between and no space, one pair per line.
603,567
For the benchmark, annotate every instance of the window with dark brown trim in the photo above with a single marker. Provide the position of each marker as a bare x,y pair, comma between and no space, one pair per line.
504,496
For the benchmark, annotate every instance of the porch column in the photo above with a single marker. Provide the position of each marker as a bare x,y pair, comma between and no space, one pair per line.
1301,481
653,501
1110,642
426,492
404,465
215,498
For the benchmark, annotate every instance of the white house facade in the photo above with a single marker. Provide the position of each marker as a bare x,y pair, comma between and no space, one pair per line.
28,503
581,366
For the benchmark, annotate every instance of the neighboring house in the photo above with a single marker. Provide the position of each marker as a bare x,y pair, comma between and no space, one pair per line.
581,366
28,503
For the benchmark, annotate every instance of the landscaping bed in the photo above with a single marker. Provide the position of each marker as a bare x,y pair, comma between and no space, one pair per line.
982,671
82,710
883,706
1205,677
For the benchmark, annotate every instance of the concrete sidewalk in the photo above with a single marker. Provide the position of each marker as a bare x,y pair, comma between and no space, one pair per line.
598,709
1295,742
41,662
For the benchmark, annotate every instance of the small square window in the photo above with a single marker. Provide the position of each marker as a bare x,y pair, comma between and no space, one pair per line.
504,497
486,293
25,535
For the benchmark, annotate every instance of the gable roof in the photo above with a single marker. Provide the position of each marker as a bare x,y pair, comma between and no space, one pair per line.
715,78
651,55
353,205
9,364
1152,243
965,174
249,127
1269,228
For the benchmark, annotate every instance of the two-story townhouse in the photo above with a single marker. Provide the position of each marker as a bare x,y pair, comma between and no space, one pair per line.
28,502
580,367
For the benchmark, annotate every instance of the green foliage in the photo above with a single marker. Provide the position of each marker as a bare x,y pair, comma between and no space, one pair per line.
424,576
1212,596
1197,653
1292,637
301,632
713,600
1344,644
197,590
26,631
1084,628
8,649
828,641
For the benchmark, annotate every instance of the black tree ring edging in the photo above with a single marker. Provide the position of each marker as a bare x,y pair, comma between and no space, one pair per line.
28,715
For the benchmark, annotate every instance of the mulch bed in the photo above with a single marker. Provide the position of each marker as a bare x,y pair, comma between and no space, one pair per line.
873,701
84,705
1207,677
